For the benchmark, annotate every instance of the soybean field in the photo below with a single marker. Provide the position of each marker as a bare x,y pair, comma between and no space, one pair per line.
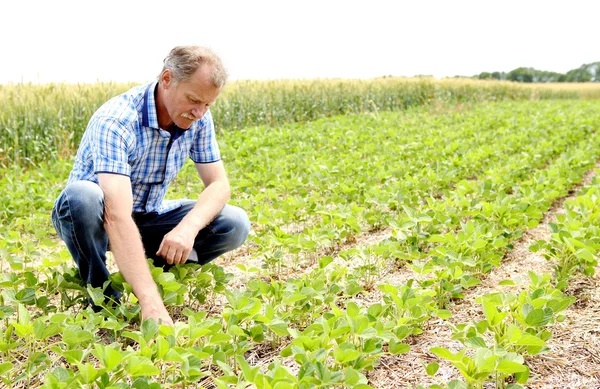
445,243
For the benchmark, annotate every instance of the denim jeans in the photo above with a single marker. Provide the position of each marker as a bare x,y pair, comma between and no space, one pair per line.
78,217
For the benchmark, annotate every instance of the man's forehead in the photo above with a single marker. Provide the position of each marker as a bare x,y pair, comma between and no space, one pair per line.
202,93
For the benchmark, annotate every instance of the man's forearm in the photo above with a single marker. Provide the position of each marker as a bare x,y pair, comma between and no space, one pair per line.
127,248
210,202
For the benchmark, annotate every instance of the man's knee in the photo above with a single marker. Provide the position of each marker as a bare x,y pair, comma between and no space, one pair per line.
236,224
84,201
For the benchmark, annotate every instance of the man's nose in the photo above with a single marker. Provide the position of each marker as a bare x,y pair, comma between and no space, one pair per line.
198,112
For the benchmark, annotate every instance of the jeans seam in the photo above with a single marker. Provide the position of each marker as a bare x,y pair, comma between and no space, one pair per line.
74,236
55,223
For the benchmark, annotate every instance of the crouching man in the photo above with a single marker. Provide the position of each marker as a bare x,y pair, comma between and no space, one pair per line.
133,147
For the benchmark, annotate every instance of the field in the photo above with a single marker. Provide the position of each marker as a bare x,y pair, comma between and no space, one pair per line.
449,243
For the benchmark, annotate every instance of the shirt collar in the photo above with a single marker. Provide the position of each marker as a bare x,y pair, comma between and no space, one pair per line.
149,115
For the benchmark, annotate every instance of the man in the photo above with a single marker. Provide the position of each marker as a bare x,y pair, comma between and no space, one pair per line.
133,147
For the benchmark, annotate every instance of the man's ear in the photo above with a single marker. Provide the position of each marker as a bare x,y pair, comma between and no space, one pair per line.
166,78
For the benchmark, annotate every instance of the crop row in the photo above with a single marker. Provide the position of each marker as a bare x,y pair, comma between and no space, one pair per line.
518,326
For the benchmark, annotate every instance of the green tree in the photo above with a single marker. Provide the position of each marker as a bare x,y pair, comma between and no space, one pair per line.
578,75
521,75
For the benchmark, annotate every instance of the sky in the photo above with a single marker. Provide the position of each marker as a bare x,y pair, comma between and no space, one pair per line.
108,40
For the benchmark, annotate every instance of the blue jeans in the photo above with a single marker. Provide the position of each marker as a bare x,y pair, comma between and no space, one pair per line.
78,217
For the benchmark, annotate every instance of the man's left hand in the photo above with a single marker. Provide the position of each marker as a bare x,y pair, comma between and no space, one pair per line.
176,246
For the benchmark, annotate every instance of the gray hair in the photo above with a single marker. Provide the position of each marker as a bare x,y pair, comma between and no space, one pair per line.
184,61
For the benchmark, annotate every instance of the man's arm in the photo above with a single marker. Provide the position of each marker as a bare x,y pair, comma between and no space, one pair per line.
127,247
177,244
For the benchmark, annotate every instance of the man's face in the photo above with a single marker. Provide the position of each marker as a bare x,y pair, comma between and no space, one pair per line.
187,101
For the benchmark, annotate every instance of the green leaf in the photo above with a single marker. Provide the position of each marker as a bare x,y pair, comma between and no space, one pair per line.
322,372
173,356
522,377
279,327
236,330
149,329
286,352
475,342
73,356
530,340
443,353
5,312
535,247
586,255
506,283
526,309
284,385
323,262
220,338
396,347
343,356
249,371
403,331
23,314
108,356
96,294
352,377
432,368
61,374
490,311
456,384
352,309
26,296
510,367
88,372
479,244
5,367
375,310
162,347
539,317
136,369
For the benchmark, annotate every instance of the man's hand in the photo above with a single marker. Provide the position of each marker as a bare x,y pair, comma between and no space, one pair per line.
127,247
176,246
158,312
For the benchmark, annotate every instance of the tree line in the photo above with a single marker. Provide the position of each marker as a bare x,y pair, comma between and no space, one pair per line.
584,73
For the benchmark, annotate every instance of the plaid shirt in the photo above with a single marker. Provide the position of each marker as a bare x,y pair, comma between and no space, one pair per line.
123,137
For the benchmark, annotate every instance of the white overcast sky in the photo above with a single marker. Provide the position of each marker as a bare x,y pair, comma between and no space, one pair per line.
108,40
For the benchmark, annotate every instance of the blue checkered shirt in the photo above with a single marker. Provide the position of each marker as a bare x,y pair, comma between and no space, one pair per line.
123,137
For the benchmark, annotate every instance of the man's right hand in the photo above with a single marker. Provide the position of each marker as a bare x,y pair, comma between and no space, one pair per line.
158,312
126,245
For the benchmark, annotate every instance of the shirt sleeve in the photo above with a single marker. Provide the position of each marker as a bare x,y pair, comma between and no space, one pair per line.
204,147
109,147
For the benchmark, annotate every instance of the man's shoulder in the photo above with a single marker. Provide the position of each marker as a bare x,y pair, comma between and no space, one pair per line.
124,108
